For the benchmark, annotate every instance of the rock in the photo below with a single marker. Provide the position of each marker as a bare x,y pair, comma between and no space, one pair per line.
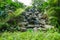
22,29
42,21
35,29
30,26
33,19
48,26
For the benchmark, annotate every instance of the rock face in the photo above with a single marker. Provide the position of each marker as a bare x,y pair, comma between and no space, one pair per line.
33,18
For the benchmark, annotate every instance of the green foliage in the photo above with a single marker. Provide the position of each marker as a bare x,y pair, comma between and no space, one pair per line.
52,8
38,4
30,35
9,6
11,16
9,10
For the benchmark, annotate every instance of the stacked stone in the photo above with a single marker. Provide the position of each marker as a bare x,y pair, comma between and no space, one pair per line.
32,18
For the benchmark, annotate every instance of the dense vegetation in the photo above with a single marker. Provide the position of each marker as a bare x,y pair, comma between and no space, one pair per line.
53,12
9,10
10,20
30,35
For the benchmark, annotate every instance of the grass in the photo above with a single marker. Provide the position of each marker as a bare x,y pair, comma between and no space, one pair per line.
30,35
